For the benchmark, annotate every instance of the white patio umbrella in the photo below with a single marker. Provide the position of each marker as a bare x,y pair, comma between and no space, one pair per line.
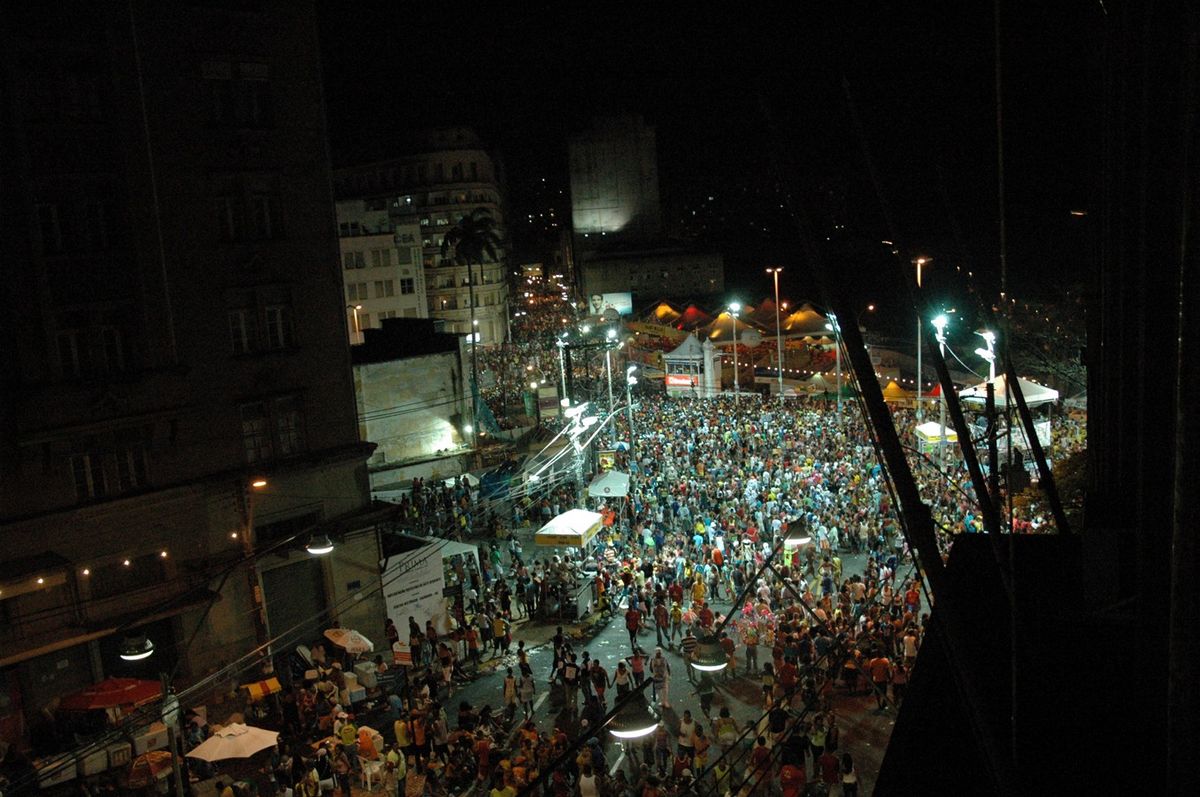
352,641
234,741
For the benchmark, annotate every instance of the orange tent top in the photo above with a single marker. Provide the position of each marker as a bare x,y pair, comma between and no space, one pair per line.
692,317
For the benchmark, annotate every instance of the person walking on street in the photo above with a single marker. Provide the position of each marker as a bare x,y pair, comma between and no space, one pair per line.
688,646
633,622
660,671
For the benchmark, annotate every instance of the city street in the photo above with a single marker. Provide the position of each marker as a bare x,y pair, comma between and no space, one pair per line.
864,730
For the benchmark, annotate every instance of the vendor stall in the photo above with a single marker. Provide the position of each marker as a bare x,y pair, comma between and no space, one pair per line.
574,530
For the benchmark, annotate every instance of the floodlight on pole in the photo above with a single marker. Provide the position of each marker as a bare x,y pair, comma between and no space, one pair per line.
778,333
734,307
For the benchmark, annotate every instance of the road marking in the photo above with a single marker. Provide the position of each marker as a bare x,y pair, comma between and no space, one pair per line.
541,699
617,764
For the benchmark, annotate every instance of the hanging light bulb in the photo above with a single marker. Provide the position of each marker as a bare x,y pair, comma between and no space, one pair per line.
319,546
710,656
634,720
137,648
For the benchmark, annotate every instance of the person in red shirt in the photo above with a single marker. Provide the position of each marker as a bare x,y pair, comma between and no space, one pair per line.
675,592
662,620
633,621
728,646
787,675
706,615
828,766
792,780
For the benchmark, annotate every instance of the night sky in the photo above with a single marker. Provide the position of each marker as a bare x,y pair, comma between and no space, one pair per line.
920,78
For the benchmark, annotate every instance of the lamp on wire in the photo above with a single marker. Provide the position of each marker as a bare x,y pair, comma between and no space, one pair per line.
319,546
634,720
136,648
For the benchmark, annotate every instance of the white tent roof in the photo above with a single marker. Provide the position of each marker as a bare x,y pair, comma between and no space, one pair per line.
1034,393
573,528
611,484
931,431
690,349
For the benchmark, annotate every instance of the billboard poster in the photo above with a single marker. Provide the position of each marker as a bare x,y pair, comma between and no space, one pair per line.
621,302
548,403
682,380
413,587
606,458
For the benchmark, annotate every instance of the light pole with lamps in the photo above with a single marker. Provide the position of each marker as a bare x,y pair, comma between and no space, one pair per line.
610,336
920,264
630,381
734,307
778,332
939,324
357,330
833,327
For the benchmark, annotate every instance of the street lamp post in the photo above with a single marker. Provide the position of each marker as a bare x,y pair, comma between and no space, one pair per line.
734,307
357,329
778,332
611,335
630,381
833,327
920,264
939,324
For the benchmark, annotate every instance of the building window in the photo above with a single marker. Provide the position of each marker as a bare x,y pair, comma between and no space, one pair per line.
70,353
51,228
289,425
228,218
256,435
386,314
357,291
279,326
364,321
404,256
254,96
381,258
474,171
384,288
439,172
261,217
88,473
353,260
456,172
131,468
93,231
407,286
241,331
113,348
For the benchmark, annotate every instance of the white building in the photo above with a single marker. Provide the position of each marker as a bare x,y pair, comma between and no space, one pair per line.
444,175
413,401
381,267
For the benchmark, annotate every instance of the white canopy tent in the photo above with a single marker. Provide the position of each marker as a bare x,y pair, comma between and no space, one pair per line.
574,528
1034,393
610,484
931,432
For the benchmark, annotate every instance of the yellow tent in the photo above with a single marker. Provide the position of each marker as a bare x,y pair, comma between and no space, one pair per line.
893,392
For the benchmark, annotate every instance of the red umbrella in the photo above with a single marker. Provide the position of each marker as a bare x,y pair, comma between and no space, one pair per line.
113,692
148,768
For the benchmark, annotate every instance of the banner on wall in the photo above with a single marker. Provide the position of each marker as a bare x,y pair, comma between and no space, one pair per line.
621,302
414,582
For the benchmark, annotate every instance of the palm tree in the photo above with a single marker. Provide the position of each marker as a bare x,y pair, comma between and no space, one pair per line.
473,240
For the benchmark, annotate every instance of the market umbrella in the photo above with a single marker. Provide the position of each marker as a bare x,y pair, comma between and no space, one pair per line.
234,741
351,640
124,692
148,768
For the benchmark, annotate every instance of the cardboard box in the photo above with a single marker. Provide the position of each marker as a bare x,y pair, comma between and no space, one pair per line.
151,737
56,773
93,763
119,754
357,695
365,671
